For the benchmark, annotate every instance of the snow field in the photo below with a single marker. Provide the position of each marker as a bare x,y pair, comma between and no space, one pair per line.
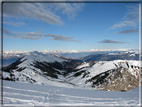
16,93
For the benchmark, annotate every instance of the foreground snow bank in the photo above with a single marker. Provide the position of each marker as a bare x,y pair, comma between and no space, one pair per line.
16,93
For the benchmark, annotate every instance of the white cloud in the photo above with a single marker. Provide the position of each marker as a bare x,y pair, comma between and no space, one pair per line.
46,12
30,10
133,13
130,19
123,24
70,9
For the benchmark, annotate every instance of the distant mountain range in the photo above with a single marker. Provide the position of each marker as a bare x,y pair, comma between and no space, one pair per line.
95,55
49,69
69,54
132,55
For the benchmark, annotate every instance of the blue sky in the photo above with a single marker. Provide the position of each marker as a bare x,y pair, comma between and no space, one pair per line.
70,26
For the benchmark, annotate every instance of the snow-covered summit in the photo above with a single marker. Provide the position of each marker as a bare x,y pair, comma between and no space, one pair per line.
29,60
42,58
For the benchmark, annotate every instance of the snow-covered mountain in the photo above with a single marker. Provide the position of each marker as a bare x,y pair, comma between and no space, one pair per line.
39,69
117,75
69,54
43,69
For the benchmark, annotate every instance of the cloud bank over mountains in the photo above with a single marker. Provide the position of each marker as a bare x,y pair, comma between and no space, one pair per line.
69,51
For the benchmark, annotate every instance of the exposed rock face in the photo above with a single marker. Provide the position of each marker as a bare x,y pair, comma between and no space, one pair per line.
120,80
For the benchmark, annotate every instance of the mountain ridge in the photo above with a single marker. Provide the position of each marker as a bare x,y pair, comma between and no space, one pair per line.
49,69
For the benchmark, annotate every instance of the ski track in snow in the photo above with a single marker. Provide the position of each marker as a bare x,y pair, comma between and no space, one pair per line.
16,93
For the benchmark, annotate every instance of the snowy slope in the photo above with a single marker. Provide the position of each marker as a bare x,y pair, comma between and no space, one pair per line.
106,72
40,58
23,94
38,69
53,70
83,65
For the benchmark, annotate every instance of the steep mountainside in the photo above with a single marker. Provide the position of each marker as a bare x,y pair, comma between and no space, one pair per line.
117,75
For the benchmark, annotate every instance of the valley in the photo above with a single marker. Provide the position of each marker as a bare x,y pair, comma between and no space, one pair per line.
49,69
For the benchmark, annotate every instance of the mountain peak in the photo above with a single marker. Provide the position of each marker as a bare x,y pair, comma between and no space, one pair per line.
30,59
